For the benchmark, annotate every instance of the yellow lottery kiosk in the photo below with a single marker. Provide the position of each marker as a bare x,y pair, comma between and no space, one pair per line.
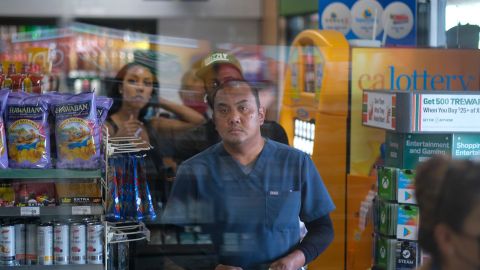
314,115
322,114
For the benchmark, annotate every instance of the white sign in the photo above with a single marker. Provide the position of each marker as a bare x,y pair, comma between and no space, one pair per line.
29,211
336,16
452,113
81,210
379,110
398,20
367,18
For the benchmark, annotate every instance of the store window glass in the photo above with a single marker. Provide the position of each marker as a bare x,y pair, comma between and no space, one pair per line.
124,127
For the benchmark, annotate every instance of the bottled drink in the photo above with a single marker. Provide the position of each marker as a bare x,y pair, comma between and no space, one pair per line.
8,81
27,84
2,76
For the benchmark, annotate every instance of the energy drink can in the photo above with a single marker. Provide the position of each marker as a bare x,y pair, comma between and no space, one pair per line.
20,251
31,244
45,244
78,236
95,243
60,243
7,245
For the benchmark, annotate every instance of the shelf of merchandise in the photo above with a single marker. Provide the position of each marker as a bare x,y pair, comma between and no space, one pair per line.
49,174
59,267
62,210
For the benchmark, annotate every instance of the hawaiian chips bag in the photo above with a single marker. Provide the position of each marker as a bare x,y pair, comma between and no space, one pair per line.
28,133
75,125
3,139
103,105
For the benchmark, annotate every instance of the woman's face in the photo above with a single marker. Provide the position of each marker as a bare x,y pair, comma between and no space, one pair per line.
137,86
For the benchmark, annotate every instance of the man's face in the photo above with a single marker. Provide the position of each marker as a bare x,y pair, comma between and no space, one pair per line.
225,72
236,114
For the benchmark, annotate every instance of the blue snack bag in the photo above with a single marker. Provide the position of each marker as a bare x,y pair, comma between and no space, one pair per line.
3,139
113,201
145,190
28,132
75,125
103,105
128,189
138,203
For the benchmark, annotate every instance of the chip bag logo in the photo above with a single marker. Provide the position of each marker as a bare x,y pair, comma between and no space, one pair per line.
100,112
72,108
24,110
26,141
76,139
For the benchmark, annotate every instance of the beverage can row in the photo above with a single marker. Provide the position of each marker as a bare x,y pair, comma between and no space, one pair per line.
59,243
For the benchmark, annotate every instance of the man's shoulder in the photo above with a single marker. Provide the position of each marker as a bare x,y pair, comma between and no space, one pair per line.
282,148
203,157
274,131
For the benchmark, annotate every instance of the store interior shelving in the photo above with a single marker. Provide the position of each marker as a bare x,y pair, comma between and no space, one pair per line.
19,174
61,210
58,267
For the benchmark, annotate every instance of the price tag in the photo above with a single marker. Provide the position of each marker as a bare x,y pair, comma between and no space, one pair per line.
29,211
81,210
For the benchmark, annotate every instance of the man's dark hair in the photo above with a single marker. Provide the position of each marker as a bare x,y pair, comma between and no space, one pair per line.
236,83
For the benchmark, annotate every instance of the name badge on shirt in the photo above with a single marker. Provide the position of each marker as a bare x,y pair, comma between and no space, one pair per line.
277,193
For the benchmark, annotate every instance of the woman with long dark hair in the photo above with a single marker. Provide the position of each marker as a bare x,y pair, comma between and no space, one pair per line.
134,90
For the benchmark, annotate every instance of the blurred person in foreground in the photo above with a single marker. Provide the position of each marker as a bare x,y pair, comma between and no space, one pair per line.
214,70
248,192
192,91
448,195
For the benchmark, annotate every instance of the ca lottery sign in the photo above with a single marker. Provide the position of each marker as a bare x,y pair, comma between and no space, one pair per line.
370,19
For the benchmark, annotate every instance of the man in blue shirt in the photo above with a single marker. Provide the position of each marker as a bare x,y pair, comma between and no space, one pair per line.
248,192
